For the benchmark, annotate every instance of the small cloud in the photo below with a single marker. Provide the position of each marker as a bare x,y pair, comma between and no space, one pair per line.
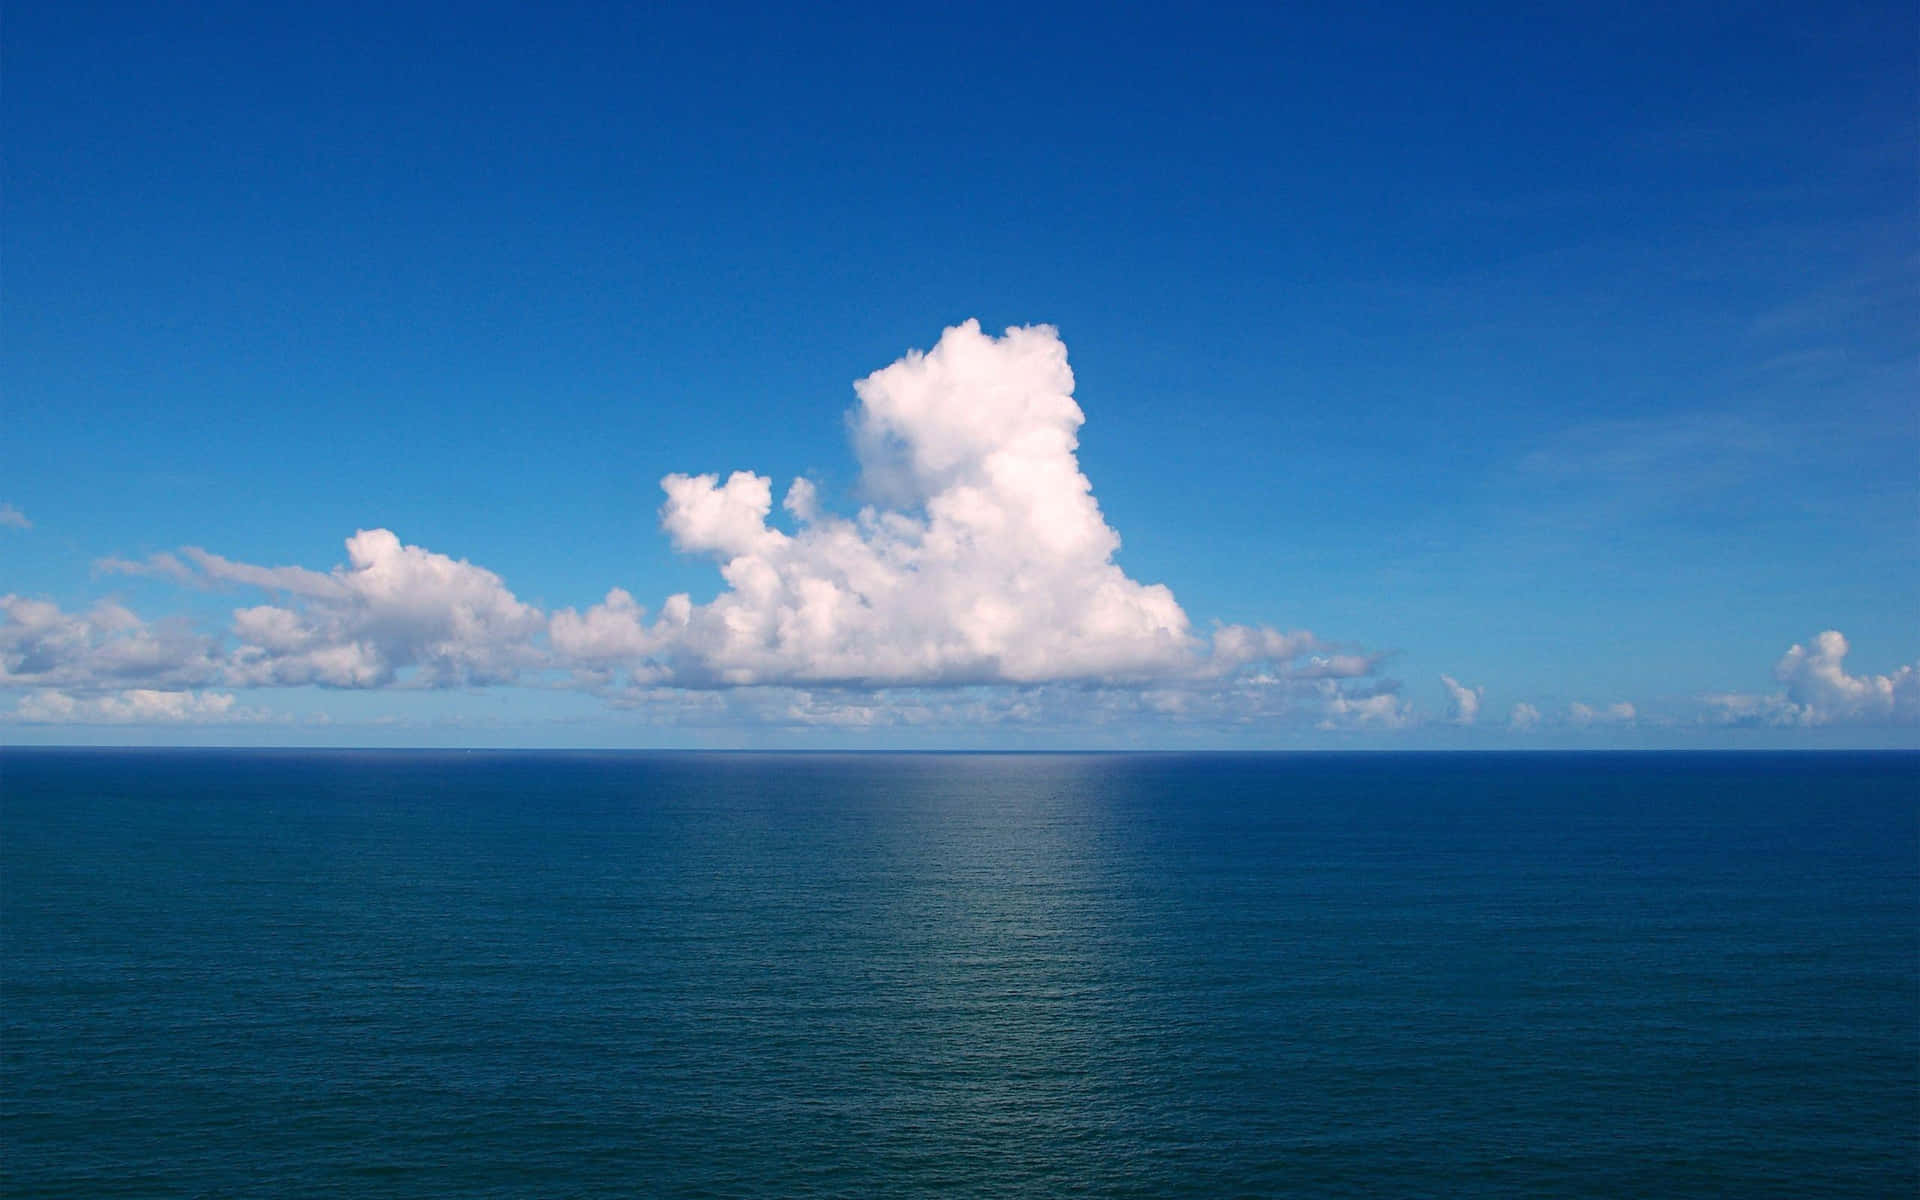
1621,713
1463,703
1376,709
161,566
1523,717
13,518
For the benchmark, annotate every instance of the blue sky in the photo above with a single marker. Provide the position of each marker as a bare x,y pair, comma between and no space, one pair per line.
1567,355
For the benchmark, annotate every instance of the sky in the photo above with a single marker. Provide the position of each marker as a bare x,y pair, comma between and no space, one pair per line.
847,376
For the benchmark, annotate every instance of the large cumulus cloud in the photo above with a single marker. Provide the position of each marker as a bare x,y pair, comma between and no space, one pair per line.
985,557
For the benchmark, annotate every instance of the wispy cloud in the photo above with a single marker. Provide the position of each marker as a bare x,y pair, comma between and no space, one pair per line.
1646,466
195,567
132,706
13,518
1620,712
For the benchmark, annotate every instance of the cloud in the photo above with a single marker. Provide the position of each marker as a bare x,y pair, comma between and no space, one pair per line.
393,613
1523,717
986,558
108,646
981,558
370,551
1687,452
612,632
160,566
1375,708
1463,703
13,518
199,568
1620,713
1818,691
392,608
133,706
1103,713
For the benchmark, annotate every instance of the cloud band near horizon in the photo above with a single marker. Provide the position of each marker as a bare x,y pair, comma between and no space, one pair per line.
981,560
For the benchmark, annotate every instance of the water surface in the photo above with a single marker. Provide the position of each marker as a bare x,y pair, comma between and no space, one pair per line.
504,974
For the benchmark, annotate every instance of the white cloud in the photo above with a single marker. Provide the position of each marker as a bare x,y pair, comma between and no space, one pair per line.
369,551
13,518
989,562
1372,707
983,559
393,608
1620,713
1523,717
132,706
1110,714
1820,688
393,613
162,565
611,632
1463,703
1818,691
107,646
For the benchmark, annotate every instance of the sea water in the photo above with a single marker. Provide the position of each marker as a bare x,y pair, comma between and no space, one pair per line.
229,973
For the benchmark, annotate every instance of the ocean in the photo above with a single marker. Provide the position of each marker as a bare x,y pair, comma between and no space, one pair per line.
436,973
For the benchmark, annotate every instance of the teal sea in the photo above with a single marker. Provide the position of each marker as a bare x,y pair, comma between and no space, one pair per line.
360,973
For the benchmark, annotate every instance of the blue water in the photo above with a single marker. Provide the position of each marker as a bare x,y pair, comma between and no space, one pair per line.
501,974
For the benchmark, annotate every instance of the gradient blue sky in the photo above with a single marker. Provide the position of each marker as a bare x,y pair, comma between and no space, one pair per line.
1569,353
